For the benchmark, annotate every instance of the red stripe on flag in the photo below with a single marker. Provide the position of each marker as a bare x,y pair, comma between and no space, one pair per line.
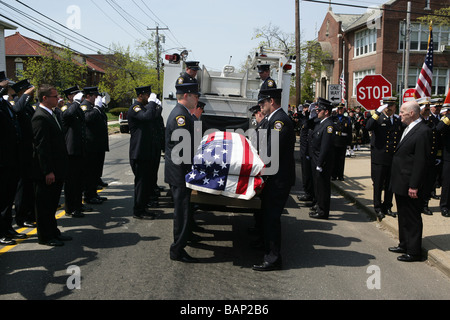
246,167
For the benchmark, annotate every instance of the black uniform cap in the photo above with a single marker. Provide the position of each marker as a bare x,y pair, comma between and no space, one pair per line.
187,88
324,104
269,93
21,85
254,109
3,76
194,65
263,67
72,90
91,91
144,89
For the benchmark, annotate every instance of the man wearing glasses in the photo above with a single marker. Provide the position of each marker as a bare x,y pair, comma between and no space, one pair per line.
49,170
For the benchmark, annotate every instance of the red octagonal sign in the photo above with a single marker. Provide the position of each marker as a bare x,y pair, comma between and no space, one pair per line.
371,90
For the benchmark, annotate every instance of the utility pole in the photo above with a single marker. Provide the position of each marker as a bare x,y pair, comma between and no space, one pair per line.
298,79
407,44
158,67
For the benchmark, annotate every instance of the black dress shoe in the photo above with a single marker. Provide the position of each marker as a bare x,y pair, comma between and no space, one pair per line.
445,212
409,258
435,196
185,257
7,241
86,209
101,198
194,238
390,213
318,215
26,224
75,214
14,234
427,211
52,243
93,201
267,266
380,215
397,249
304,197
145,216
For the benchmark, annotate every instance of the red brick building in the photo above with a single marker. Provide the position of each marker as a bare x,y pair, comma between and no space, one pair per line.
18,49
373,43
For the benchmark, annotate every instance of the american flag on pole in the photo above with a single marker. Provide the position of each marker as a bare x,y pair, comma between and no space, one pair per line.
226,164
423,86
342,83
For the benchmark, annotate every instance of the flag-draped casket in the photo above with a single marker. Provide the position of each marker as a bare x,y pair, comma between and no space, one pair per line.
226,164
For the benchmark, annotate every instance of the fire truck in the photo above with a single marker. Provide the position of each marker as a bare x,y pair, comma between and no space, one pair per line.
228,94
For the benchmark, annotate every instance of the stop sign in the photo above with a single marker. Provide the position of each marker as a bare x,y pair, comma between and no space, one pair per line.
371,90
408,95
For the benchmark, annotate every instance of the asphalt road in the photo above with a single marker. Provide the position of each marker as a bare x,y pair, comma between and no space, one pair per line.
115,257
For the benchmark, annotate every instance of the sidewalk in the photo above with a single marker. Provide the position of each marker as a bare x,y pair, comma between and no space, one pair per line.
357,187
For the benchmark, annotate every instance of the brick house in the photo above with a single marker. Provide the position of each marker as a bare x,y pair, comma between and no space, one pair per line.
373,43
20,48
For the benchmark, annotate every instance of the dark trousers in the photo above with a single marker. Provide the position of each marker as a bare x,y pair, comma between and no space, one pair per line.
381,176
272,206
73,186
47,200
93,172
8,186
339,163
143,184
307,178
445,192
410,224
429,183
154,167
24,201
322,189
182,217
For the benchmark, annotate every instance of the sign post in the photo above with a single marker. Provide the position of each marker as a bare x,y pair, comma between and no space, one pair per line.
371,90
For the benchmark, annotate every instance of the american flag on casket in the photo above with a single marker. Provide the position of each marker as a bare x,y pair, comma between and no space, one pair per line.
226,164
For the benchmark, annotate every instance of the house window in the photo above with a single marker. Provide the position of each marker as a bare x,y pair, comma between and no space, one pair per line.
365,42
419,37
427,5
19,67
439,85
358,76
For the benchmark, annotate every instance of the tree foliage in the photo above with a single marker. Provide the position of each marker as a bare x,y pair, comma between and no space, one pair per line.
439,17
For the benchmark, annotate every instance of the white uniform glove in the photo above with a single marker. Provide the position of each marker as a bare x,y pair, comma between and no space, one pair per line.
78,97
104,101
381,109
319,169
99,102
158,102
153,97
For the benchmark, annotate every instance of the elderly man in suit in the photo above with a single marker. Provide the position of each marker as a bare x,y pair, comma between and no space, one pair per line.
409,169
49,170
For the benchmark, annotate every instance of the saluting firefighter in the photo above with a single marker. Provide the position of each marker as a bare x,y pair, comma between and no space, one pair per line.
177,165
443,128
387,130
277,186
343,138
145,149
322,155
190,75
74,127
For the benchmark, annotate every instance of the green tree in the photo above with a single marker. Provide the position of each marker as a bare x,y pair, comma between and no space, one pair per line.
439,17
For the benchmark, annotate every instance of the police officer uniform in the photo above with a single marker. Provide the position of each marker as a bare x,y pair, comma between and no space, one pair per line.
306,124
343,138
74,127
144,150
97,144
186,77
443,128
277,186
175,171
386,134
437,103
10,139
24,199
268,83
322,155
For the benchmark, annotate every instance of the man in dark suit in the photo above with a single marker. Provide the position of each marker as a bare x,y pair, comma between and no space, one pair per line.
409,169
322,154
74,125
97,140
144,148
179,154
278,184
443,128
386,130
49,161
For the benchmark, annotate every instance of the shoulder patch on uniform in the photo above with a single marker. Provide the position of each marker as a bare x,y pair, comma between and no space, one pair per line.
181,121
180,80
330,129
64,108
270,83
278,125
84,107
137,108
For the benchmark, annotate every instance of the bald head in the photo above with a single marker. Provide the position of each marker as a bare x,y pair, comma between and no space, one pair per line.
409,112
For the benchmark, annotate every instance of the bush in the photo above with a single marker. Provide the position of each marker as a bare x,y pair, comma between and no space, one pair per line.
117,111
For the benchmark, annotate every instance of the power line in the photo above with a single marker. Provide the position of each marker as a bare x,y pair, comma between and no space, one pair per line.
115,6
